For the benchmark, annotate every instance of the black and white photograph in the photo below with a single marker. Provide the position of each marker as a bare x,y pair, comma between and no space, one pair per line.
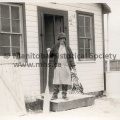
60,59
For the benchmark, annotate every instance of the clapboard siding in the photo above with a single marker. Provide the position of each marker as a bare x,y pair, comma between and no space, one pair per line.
90,81
31,7
32,40
34,61
31,13
97,29
94,85
31,18
31,82
31,88
31,95
32,29
27,78
84,69
96,88
29,72
91,74
98,43
88,6
32,34
35,50
31,23
33,45
66,7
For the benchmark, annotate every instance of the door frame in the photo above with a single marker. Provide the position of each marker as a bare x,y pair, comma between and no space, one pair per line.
41,11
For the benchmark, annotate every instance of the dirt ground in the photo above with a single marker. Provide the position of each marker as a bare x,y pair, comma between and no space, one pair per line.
104,109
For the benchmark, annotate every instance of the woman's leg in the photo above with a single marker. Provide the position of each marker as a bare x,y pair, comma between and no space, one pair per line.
55,92
64,91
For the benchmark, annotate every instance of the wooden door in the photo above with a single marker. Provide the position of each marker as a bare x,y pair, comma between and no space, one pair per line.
12,97
51,23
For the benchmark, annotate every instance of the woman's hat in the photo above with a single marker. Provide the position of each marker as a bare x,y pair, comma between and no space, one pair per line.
62,35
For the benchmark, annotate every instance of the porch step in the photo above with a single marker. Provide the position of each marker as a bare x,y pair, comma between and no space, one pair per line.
75,101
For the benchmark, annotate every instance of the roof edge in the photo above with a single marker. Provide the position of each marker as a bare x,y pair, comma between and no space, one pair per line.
106,8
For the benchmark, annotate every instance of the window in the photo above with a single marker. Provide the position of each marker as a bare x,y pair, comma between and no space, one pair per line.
85,35
11,29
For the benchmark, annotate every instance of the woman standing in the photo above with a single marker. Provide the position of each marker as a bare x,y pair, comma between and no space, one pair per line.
62,75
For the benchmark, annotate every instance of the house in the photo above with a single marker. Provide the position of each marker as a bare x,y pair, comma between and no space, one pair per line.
30,28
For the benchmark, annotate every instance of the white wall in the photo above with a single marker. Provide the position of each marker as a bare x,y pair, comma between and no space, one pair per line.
113,84
90,73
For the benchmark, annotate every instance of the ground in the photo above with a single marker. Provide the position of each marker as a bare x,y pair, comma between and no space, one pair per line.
104,109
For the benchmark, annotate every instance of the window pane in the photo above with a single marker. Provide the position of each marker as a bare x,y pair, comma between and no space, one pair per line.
5,40
81,43
87,43
87,21
88,32
81,32
81,20
15,12
5,11
16,26
81,55
87,53
87,28
85,34
5,25
15,40
5,51
15,51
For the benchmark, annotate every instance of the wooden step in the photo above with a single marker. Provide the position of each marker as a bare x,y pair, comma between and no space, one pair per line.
74,101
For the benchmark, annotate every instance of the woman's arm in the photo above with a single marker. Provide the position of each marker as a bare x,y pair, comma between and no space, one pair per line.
52,52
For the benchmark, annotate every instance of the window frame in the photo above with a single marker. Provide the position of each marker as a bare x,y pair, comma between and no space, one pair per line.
23,37
92,32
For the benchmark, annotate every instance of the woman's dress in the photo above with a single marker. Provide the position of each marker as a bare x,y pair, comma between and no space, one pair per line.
62,73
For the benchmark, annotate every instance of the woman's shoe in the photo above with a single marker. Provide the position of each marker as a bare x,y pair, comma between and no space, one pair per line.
64,95
66,98
54,98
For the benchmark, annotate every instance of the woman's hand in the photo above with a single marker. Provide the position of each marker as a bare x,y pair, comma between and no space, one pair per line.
74,69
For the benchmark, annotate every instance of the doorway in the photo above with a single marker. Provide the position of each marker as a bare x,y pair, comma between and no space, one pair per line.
51,23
